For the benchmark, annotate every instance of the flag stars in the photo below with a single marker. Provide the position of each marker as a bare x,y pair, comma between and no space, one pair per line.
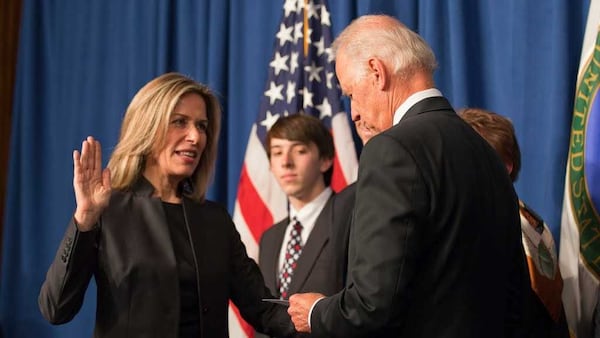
274,92
290,91
329,54
298,32
307,98
279,63
325,17
290,6
312,10
329,76
284,34
325,109
313,72
320,46
269,120
294,62
299,6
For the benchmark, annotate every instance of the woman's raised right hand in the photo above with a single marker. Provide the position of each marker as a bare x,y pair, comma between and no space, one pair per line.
91,184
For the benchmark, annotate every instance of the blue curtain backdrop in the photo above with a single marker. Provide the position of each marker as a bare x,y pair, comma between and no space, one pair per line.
80,62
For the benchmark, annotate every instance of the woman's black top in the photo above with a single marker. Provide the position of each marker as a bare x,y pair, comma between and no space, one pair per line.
189,318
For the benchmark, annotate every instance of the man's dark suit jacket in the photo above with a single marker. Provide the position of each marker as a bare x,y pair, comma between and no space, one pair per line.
132,260
322,265
435,244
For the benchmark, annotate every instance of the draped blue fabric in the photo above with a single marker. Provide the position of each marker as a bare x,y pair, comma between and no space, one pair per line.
80,62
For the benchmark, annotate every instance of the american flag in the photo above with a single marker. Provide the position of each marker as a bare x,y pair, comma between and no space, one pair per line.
301,80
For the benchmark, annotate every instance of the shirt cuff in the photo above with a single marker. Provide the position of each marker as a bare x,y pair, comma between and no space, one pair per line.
311,310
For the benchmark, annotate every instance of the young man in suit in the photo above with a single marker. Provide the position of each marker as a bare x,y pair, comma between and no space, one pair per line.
435,241
301,151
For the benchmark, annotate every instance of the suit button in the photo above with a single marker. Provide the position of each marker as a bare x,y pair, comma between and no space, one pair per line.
205,309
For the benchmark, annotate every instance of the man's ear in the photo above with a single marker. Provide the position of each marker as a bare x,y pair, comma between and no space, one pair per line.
326,163
378,73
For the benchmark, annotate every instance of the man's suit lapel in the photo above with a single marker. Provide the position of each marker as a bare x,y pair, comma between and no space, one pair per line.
319,236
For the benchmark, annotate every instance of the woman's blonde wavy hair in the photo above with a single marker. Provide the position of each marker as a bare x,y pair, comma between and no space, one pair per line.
145,126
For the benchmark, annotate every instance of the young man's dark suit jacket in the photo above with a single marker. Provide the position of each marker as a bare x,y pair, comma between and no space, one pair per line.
435,244
322,265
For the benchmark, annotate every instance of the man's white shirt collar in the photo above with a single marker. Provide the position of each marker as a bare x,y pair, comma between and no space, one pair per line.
310,211
412,100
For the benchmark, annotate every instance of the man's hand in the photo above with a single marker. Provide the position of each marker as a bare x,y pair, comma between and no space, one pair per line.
300,305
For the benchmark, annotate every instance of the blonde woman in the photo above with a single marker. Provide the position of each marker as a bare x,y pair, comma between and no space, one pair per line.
165,260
